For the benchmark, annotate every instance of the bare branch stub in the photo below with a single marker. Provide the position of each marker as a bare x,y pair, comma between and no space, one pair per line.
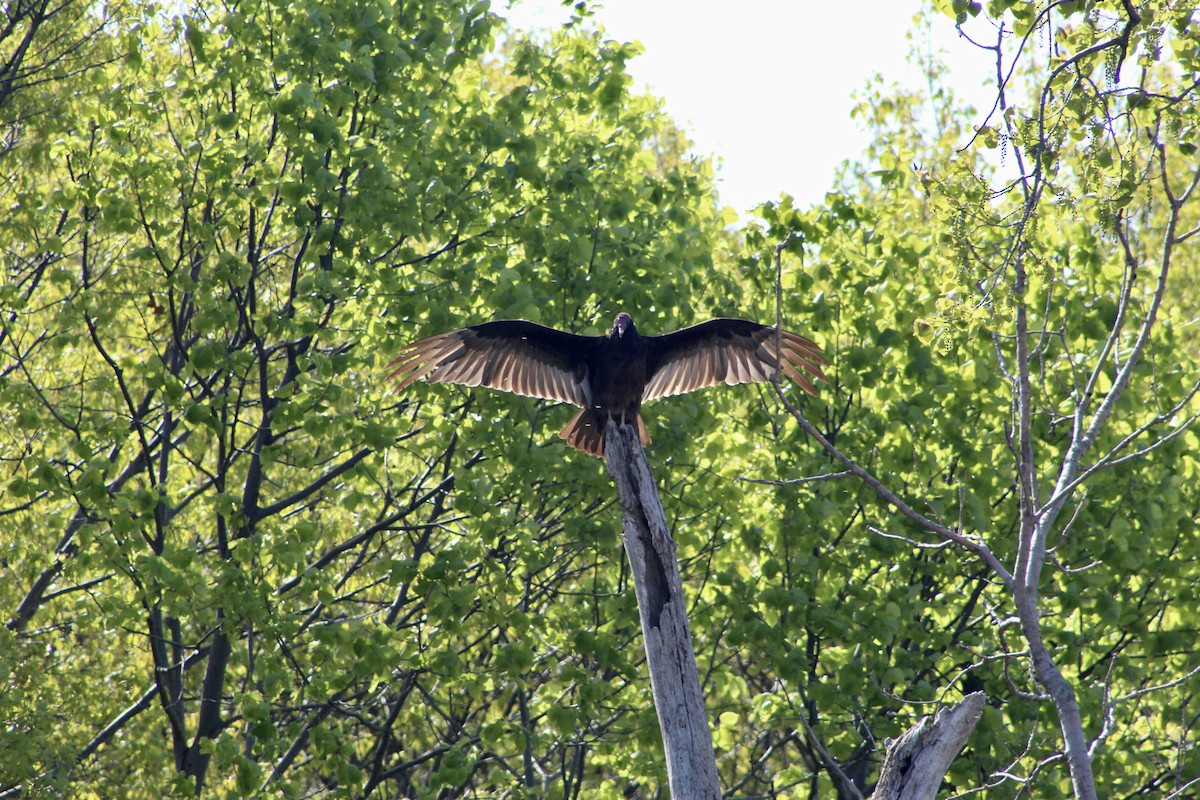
917,761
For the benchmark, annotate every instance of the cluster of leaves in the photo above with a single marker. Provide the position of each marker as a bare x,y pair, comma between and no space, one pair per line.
923,251
216,505
256,570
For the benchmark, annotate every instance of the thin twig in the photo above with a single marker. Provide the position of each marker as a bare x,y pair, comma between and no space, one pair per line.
798,481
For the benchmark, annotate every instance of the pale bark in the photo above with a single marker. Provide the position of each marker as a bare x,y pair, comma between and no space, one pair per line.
674,678
917,761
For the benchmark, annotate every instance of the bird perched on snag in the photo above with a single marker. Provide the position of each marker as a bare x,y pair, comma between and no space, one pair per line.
608,376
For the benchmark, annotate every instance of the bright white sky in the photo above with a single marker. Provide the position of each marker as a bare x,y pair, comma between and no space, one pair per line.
766,85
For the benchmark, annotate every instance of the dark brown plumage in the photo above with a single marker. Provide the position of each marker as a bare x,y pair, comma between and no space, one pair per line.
608,375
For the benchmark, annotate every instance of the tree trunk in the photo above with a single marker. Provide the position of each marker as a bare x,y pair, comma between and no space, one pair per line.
674,679
917,761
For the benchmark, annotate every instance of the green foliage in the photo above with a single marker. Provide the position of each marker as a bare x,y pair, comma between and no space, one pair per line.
251,569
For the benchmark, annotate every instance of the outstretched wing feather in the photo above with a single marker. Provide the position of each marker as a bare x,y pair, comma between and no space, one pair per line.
511,355
729,351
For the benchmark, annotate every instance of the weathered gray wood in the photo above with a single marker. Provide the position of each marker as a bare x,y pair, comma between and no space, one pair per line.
917,761
674,679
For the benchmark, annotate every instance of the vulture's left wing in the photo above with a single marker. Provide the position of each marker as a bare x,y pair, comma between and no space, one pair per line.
727,351
511,355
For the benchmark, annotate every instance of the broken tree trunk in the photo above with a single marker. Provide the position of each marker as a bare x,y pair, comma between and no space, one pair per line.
917,761
674,679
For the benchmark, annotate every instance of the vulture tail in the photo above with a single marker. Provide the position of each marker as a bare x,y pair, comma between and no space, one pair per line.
585,431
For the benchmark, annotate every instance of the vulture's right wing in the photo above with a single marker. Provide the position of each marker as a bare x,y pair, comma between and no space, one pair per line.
511,355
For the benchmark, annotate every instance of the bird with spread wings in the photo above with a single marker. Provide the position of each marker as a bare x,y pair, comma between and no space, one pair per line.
608,376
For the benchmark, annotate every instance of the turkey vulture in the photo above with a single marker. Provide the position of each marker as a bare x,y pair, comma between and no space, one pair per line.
607,375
